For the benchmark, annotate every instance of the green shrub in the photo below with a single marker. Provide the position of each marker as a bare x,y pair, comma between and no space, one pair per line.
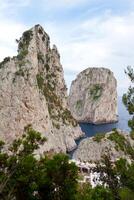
22,54
7,59
47,67
122,143
98,137
96,91
40,81
132,135
20,72
40,57
78,104
27,36
118,139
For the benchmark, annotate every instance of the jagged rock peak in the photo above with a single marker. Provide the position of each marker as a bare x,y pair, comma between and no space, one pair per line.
93,96
33,91
31,39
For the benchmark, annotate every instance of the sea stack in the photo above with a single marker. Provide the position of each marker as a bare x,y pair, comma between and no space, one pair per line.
33,92
93,96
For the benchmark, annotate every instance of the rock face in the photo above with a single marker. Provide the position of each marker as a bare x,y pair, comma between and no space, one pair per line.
117,144
93,96
33,91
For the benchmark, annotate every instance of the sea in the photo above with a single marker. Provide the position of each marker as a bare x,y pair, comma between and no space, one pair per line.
91,129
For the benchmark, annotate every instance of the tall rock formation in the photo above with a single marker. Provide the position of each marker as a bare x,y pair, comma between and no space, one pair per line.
93,96
33,91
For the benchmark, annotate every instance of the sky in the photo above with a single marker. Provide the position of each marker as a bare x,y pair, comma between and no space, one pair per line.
88,33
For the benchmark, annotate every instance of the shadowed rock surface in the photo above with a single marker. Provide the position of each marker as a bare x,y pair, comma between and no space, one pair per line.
33,91
93,96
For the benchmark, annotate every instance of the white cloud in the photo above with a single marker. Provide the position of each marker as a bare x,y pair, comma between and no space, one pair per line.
103,41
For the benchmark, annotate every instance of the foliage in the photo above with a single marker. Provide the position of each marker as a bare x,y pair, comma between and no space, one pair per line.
86,192
98,137
23,176
40,57
22,54
20,72
19,169
7,59
47,67
40,81
128,98
119,178
79,104
96,91
59,180
23,44
132,135
78,107
121,143
118,139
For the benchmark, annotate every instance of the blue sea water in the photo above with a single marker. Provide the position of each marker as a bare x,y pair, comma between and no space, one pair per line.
91,130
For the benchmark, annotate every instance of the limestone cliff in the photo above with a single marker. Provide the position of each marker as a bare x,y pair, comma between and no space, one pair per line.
33,91
117,144
93,96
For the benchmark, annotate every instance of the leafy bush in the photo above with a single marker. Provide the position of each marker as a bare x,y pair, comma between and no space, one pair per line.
22,176
47,67
121,143
7,59
40,81
40,57
78,104
96,91
98,137
22,54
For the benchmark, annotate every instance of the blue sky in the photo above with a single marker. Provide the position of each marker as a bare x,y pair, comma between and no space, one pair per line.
88,33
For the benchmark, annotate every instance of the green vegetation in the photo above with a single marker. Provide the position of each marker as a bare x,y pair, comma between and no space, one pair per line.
40,57
118,139
56,111
132,135
78,104
20,72
119,178
121,143
7,59
22,54
47,67
40,81
23,44
67,118
23,177
86,192
98,137
128,98
96,91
